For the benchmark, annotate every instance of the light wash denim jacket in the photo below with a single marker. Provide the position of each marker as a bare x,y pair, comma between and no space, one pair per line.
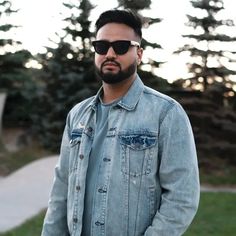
148,182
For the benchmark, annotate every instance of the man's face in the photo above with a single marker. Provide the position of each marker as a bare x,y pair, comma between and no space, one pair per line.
113,67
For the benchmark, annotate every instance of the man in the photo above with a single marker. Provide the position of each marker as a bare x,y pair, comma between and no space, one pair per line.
128,163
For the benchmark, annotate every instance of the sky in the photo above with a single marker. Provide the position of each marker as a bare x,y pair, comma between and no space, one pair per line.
40,19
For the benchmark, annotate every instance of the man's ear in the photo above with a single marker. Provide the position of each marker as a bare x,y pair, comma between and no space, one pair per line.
139,55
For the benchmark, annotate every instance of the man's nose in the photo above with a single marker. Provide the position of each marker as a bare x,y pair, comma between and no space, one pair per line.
111,53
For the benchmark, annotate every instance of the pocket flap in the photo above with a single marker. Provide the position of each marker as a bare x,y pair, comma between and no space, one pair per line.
138,141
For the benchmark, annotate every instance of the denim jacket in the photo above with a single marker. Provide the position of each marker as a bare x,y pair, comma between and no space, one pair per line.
148,182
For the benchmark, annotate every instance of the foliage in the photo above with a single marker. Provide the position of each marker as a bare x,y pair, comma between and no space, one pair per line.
67,75
137,5
214,125
18,83
149,77
14,77
208,94
211,59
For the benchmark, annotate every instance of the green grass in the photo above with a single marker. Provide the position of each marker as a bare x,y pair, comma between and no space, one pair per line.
32,227
11,161
218,172
226,177
215,217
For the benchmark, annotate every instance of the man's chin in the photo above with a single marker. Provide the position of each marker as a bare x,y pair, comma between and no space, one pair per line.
111,78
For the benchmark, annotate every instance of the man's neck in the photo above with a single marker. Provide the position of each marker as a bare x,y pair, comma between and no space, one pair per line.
112,92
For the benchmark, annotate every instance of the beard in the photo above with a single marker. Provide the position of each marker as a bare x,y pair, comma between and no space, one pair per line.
114,78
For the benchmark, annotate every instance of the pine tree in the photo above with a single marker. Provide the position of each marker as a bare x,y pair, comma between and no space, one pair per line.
68,74
13,74
210,59
149,77
207,93
136,5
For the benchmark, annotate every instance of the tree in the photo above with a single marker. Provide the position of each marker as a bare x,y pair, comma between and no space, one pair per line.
210,60
68,74
149,77
207,95
13,74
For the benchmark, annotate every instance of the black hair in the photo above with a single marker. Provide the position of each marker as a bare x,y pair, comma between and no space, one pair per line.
126,17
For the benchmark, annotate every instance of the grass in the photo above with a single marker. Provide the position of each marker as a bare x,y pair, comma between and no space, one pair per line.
225,176
11,161
216,216
31,227
218,171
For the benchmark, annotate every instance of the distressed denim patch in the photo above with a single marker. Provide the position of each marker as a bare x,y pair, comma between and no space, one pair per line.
76,133
138,141
76,137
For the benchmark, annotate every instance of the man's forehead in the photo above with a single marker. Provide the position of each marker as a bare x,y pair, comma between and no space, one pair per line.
116,30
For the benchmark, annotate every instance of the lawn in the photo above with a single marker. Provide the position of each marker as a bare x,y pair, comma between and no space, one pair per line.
11,161
215,217
32,227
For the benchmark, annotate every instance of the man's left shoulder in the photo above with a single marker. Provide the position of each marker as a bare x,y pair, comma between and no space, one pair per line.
156,96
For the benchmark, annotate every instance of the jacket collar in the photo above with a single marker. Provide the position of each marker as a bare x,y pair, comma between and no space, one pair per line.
130,99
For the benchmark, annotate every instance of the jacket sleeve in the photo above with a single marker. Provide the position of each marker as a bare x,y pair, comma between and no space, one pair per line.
55,222
178,175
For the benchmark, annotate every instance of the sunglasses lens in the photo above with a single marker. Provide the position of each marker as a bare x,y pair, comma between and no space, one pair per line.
121,47
101,47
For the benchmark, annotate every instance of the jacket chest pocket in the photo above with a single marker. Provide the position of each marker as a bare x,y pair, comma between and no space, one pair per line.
136,153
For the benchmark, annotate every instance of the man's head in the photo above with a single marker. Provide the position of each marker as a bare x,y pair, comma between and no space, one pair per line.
117,45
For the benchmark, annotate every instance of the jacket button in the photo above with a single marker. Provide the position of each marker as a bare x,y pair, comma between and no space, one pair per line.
106,159
78,188
90,129
81,156
75,220
98,223
101,190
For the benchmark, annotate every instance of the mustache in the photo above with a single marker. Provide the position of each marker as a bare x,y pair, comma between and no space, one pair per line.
110,61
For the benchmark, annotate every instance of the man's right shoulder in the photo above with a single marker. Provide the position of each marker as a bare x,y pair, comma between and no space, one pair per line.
82,105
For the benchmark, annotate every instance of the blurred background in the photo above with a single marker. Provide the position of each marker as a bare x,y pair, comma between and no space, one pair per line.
46,67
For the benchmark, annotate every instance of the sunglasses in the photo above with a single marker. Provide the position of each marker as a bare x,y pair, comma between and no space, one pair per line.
120,47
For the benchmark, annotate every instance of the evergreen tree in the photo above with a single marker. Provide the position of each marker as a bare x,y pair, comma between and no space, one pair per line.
135,5
14,77
207,95
149,77
68,74
209,65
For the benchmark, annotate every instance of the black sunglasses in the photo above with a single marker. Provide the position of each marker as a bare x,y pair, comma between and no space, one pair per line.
120,47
